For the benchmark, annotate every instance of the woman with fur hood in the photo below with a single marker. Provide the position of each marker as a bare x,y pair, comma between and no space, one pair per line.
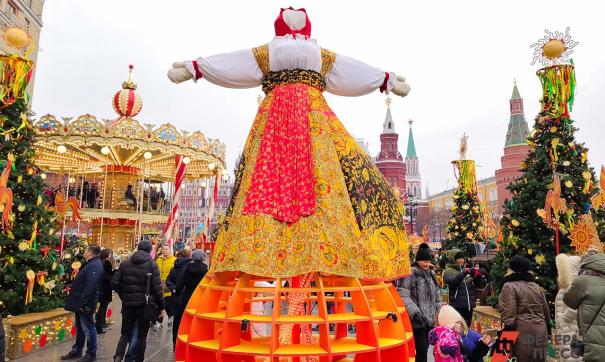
566,318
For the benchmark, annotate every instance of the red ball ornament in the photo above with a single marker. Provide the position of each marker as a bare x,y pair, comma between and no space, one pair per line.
127,102
73,331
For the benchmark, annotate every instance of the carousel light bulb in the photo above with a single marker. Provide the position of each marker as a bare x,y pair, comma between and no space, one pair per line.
61,149
43,176
204,183
105,150
71,180
211,166
224,172
186,160
147,155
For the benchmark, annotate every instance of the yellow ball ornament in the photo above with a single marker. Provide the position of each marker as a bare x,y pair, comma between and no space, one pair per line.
530,251
19,179
515,222
553,48
553,129
16,37
568,183
23,246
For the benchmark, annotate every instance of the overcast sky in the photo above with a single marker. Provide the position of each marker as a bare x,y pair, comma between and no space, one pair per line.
460,58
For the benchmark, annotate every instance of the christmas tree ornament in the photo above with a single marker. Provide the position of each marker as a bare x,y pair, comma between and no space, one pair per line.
23,246
515,222
587,175
566,163
29,293
15,75
568,184
6,194
21,208
530,251
584,235
540,259
19,179
598,200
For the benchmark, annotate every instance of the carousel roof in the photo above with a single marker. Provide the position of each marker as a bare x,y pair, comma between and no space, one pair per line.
87,145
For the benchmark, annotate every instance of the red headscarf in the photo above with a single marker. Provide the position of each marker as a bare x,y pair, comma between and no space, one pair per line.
281,28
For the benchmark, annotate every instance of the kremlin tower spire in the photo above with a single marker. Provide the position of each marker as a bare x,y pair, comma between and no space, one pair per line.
390,161
412,177
516,148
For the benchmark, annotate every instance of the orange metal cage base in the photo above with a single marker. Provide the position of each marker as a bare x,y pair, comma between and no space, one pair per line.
216,325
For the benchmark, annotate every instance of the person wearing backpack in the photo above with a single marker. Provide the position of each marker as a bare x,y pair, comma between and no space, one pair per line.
587,295
422,298
139,286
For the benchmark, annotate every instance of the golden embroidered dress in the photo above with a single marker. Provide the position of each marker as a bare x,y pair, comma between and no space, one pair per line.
306,197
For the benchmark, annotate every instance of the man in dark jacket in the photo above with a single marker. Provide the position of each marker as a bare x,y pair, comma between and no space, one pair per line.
106,293
2,341
461,281
183,258
420,293
130,282
82,300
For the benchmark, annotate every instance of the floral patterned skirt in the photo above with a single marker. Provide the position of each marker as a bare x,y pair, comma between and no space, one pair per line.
356,229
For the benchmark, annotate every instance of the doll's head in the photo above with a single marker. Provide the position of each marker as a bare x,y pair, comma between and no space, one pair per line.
294,22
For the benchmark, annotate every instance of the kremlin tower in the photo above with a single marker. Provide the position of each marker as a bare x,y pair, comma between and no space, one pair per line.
412,176
389,161
516,149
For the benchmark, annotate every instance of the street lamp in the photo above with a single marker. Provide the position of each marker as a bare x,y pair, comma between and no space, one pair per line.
413,205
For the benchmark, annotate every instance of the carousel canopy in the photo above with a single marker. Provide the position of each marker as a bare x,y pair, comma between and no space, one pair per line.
87,145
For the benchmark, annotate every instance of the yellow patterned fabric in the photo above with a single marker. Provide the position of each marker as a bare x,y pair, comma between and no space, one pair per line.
357,230
327,59
261,54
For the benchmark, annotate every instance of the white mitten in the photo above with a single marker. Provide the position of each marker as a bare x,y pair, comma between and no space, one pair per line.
401,88
179,73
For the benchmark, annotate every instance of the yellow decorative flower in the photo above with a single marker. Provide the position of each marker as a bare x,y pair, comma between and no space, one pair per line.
568,183
365,174
553,129
329,254
21,208
566,163
23,246
584,234
322,187
540,259
469,235
465,207
515,222
258,246
541,213
254,224
299,247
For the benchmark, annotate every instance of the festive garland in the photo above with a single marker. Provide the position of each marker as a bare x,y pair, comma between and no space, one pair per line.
16,73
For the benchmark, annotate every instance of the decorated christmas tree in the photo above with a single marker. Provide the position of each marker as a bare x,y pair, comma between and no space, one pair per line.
466,222
30,265
550,210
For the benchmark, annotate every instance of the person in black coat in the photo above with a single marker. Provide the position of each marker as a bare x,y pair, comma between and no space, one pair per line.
183,257
106,293
82,300
130,282
189,280
2,341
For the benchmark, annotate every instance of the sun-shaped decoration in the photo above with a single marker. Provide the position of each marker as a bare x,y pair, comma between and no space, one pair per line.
16,37
553,48
584,234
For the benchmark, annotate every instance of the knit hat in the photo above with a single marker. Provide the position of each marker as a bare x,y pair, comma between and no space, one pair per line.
424,252
145,246
197,255
448,316
459,255
519,264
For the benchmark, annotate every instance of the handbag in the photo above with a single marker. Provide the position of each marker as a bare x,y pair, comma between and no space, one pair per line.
577,345
150,310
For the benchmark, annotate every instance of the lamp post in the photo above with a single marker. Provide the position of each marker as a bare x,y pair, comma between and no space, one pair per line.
413,205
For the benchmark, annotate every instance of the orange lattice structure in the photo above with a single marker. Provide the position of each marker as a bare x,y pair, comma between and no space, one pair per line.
217,324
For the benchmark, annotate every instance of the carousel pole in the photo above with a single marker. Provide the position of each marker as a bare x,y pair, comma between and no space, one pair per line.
196,208
64,218
103,207
81,197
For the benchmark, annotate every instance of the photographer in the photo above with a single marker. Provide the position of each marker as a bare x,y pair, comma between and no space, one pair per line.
461,280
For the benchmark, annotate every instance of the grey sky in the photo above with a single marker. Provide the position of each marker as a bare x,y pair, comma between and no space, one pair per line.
460,57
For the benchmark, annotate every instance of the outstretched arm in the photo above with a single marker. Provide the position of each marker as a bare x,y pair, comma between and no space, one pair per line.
232,70
351,77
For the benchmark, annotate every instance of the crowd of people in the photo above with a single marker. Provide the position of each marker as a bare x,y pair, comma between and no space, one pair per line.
148,288
579,314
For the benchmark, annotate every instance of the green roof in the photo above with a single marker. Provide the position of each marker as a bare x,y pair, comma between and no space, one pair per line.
516,94
517,131
411,153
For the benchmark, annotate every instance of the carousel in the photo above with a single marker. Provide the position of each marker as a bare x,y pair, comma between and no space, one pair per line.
124,174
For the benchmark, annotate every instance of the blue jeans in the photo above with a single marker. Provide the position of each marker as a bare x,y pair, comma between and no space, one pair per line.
85,331
132,345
